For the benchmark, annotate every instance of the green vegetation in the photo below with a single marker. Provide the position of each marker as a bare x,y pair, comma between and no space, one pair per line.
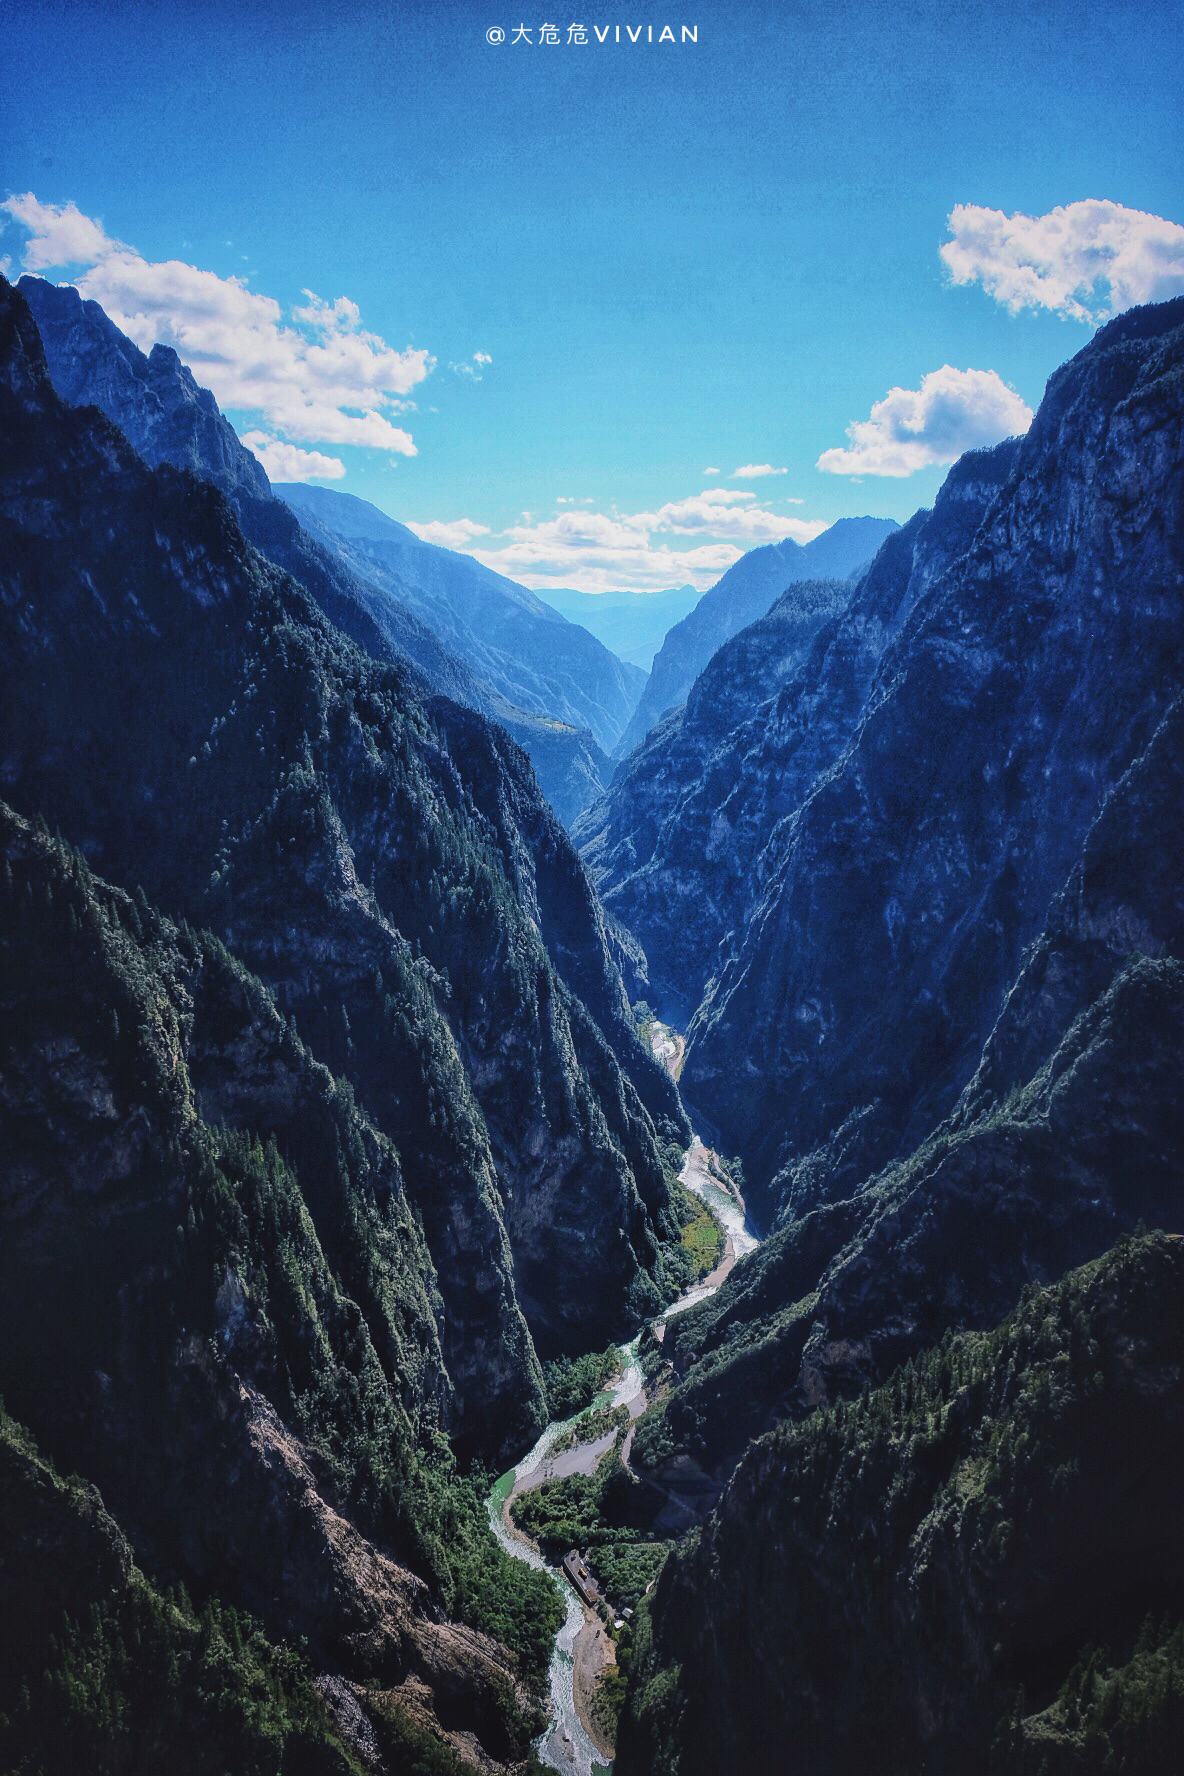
102,1671
1109,1716
626,1570
572,1383
603,1514
309,1275
702,1238
598,1421
948,1562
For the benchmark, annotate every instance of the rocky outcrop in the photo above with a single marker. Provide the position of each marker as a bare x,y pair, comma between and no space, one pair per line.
1061,1128
744,593
217,1303
920,1579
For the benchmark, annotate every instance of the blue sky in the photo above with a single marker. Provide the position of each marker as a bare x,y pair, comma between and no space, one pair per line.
674,258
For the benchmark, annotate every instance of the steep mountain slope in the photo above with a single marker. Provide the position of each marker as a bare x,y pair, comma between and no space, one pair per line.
633,624
743,594
217,1304
950,1573
939,761
671,845
388,868
532,656
97,1664
1036,951
156,403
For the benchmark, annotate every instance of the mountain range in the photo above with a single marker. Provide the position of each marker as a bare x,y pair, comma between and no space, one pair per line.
325,1114
398,598
742,595
943,1033
328,1140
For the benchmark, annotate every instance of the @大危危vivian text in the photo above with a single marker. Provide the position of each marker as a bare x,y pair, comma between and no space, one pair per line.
575,36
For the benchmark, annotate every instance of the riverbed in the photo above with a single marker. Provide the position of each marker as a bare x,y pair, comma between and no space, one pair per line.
566,1744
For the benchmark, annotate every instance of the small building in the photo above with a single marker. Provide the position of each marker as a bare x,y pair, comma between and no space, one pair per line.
581,1578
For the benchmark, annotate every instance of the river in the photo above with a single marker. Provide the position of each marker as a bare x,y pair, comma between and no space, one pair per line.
565,1745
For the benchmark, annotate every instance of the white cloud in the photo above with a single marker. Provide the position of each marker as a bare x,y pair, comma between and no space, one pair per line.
61,234
711,471
472,369
323,380
911,429
751,471
607,551
1085,260
456,534
287,462
729,512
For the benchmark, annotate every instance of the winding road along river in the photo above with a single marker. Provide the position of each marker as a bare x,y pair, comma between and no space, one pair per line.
566,1745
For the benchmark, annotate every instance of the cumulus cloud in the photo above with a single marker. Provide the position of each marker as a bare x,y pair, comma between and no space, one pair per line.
1085,260
288,462
606,551
319,377
729,512
453,534
711,471
751,471
911,429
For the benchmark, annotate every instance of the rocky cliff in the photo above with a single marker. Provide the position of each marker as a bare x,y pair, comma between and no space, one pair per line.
290,1205
743,594
925,785
388,867
980,1088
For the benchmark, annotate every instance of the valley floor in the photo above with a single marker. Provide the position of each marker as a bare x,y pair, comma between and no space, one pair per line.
578,1674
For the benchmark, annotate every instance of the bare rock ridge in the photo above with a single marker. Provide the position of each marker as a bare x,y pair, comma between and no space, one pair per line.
158,405
671,844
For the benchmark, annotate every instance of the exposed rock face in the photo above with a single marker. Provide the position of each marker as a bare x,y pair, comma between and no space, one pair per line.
956,1065
160,408
907,1582
388,869
1089,1146
745,593
529,653
672,844
939,761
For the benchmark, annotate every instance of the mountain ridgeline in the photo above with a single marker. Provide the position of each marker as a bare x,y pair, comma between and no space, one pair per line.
940,1018
470,635
325,1114
531,655
742,595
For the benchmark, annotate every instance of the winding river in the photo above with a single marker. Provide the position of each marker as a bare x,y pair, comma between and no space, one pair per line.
565,1744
